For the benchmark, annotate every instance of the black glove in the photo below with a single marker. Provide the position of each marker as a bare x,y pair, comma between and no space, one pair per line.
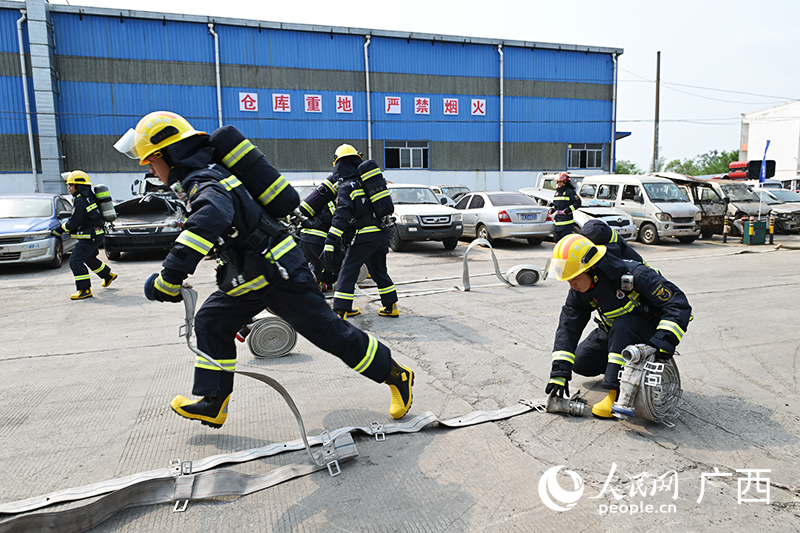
332,255
558,387
157,288
661,355
56,232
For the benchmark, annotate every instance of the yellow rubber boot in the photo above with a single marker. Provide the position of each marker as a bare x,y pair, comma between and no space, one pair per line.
603,408
344,314
81,294
400,381
389,311
111,277
209,411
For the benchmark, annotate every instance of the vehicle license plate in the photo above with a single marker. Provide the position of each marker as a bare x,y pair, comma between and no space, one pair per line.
527,216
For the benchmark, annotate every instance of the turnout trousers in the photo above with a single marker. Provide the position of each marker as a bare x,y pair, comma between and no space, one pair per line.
561,230
85,254
601,352
373,254
297,300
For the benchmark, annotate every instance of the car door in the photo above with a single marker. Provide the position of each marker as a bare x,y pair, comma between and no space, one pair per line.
631,201
473,204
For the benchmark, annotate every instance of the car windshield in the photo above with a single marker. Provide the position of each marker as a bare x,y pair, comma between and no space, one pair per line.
786,196
453,191
767,199
25,207
664,192
511,198
413,196
739,193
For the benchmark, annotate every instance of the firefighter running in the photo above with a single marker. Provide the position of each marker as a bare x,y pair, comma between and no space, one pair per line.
260,265
635,304
86,227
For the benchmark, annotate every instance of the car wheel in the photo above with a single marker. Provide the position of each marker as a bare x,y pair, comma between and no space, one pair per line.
58,257
687,239
113,255
451,243
648,234
707,233
483,233
395,242
535,241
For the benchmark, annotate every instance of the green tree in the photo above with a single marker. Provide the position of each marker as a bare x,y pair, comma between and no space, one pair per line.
628,167
713,162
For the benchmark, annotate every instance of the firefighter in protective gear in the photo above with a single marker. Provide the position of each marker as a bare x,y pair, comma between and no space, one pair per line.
269,268
635,305
565,202
312,235
86,227
355,224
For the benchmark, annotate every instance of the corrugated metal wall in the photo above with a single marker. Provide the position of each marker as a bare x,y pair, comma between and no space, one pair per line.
112,70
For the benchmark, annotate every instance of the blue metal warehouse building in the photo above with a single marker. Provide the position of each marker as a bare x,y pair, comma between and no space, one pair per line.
429,108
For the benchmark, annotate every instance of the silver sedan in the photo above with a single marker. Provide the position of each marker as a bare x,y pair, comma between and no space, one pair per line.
503,215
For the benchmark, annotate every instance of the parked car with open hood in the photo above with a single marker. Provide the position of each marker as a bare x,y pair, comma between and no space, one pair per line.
503,215
621,222
25,224
787,214
149,222
702,194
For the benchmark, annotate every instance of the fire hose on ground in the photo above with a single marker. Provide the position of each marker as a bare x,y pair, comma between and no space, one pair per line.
185,481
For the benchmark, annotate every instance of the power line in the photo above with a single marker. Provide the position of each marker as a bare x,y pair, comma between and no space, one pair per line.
784,98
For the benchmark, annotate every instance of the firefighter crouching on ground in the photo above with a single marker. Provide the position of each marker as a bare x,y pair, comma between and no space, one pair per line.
636,305
86,227
371,243
565,202
223,209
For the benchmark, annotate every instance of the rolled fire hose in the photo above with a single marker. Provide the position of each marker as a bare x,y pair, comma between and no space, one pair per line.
648,388
516,275
271,337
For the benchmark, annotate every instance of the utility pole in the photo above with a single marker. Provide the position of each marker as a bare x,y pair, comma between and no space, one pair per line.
655,132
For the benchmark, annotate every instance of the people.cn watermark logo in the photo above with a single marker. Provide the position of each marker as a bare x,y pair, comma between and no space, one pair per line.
550,490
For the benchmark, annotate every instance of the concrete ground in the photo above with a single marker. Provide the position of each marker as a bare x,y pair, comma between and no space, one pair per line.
86,387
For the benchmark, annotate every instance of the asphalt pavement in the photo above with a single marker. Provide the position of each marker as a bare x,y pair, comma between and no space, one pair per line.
87,384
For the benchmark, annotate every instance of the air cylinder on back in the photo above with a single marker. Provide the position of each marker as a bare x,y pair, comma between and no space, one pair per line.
105,203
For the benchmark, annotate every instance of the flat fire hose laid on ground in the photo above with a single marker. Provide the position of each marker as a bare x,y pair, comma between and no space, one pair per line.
184,481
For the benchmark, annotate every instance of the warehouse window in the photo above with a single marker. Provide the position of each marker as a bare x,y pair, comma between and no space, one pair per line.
405,154
585,155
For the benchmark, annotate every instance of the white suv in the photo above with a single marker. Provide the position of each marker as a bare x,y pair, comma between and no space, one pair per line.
420,217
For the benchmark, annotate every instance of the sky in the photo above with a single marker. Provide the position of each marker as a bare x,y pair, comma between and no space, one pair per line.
719,59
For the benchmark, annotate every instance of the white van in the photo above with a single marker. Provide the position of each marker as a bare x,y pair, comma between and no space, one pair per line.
656,205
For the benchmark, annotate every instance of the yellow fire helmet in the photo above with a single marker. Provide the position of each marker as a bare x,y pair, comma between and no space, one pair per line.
573,255
154,132
77,177
343,151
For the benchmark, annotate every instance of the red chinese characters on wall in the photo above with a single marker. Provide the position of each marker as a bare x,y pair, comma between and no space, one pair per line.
248,102
281,103
313,103
344,103
451,106
392,105
479,107
422,106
